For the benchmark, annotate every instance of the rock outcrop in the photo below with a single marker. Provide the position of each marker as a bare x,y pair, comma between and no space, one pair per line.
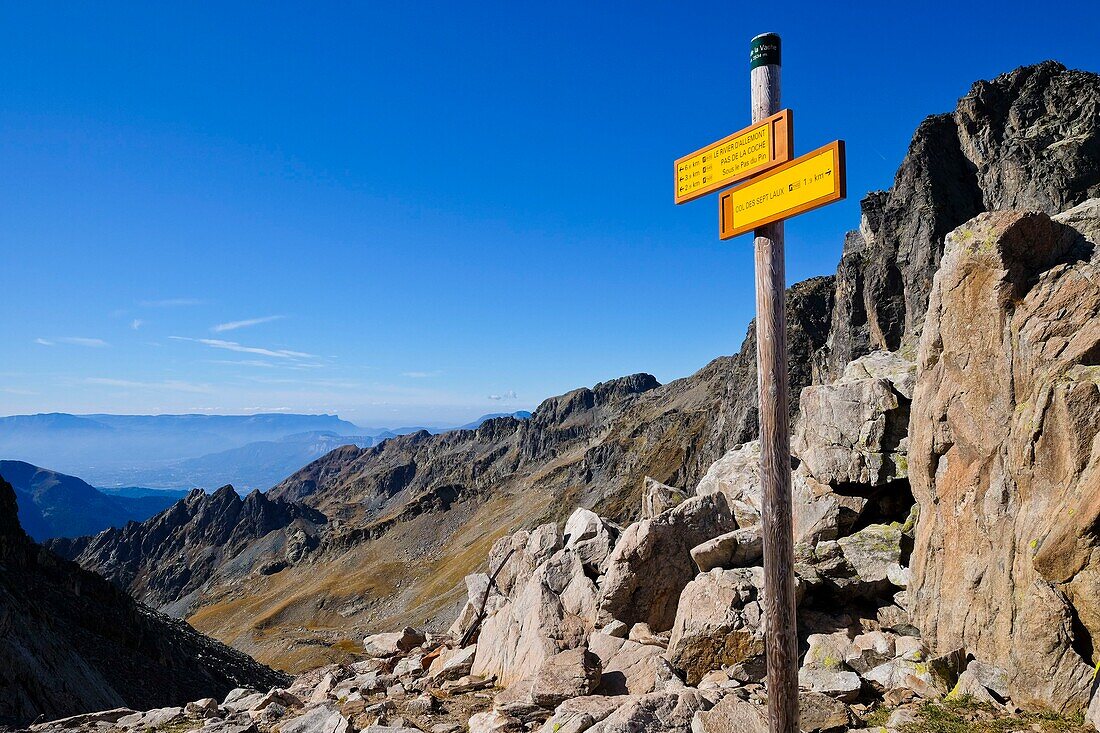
1003,460
652,563
72,643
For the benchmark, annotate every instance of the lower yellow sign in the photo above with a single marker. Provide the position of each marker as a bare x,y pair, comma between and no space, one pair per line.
805,183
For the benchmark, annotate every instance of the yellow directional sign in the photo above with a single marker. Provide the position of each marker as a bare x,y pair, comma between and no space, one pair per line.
736,157
805,183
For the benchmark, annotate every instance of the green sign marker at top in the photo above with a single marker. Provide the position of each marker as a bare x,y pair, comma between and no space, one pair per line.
764,50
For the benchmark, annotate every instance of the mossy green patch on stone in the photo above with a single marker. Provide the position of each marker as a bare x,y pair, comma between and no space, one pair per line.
964,714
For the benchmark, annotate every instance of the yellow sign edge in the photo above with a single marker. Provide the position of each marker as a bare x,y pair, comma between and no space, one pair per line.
781,151
839,192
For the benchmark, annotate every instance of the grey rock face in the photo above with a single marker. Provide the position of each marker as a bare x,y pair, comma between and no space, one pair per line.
652,562
718,622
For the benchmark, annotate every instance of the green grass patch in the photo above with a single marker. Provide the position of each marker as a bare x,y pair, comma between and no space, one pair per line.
878,717
966,715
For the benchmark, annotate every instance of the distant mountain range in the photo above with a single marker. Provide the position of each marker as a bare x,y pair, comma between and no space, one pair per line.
186,451
52,504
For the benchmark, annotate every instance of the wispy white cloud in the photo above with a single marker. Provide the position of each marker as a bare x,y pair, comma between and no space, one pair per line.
136,323
17,391
83,341
421,375
170,384
240,348
509,395
234,325
44,342
171,303
244,362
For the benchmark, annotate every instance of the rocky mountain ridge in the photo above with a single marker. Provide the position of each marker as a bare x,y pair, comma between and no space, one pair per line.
165,561
1026,140
450,494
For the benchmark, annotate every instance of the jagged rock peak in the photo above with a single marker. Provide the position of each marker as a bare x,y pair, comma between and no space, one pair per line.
1029,139
207,529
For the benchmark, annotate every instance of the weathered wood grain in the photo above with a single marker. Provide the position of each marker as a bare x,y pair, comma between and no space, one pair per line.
775,446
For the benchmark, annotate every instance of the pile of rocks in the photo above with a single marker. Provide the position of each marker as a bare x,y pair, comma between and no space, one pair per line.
408,682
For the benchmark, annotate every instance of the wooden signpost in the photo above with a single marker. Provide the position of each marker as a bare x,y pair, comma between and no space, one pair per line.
779,189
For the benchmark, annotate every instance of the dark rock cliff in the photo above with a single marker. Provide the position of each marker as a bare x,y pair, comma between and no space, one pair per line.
1027,140
71,642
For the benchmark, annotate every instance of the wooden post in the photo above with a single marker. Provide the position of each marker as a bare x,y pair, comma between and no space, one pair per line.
775,447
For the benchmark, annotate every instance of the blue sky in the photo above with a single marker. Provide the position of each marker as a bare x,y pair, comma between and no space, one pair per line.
420,212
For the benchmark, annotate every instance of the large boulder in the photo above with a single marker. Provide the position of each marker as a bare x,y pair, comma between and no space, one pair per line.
629,667
658,498
392,643
568,674
581,713
552,611
818,713
1004,456
740,548
592,538
731,715
652,562
719,622
820,513
321,719
658,712
854,430
875,555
